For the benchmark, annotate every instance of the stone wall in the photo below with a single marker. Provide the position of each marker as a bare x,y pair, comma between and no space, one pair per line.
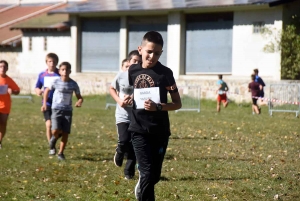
93,84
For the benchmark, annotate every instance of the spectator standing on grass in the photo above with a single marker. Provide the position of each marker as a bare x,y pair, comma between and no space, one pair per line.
150,124
43,81
121,92
260,81
255,88
221,91
61,117
7,87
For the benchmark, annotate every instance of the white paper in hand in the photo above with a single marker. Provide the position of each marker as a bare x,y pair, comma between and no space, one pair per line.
143,94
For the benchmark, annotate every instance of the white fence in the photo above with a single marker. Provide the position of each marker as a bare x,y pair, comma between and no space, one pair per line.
284,98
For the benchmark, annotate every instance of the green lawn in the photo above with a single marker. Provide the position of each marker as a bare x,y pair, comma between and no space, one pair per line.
233,155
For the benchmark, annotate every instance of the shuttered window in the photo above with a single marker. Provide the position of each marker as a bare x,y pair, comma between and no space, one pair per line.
209,43
100,45
139,26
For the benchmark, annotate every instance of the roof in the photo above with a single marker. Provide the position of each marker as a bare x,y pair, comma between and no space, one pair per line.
14,14
138,5
58,22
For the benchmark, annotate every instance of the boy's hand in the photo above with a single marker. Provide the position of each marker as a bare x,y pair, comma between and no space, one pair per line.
78,103
43,108
40,92
9,91
150,105
126,101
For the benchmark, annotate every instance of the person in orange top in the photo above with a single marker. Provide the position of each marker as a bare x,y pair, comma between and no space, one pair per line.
7,87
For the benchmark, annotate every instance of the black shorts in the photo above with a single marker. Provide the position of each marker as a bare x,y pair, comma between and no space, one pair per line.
254,101
47,113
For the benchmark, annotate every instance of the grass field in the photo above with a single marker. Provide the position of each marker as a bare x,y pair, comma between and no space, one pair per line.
233,155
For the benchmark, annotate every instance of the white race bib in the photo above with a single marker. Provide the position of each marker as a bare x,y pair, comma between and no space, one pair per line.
143,94
49,80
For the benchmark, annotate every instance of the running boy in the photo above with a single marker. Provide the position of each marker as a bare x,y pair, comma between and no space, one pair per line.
255,88
222,97
121,92
260,81
150,124
7,87
61,117
43,81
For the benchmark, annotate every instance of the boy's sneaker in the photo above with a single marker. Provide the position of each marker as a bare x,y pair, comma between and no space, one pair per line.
128,177
61,157
52,151
118,159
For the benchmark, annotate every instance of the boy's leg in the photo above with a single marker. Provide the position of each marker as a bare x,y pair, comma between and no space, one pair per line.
47,117
225,101
56,121
66,130
150,150
3,124
218,106
129,169
122,147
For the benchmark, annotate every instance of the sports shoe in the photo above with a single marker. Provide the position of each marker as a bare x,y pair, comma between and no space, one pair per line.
137,190
52,151
61,156
52,142
128,177
118,159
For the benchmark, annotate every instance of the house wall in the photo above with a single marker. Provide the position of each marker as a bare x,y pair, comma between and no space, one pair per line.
247,51
33,61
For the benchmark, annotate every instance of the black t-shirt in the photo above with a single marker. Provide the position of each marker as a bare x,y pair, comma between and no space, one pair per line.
155,122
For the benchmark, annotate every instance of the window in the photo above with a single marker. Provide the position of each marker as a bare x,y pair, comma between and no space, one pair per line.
258,27
45,43
30,44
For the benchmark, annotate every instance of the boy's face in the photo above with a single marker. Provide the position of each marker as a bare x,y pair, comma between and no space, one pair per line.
125,66
135,59
51,63
3,69
150,53
64,71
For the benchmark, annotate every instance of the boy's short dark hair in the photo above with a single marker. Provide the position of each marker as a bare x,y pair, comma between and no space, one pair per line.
133,53
67,64
154,37
52,56
255,70
123,61
220,76
5,63
252,77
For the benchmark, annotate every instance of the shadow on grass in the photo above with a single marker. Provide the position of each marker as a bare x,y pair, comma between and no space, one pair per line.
190,178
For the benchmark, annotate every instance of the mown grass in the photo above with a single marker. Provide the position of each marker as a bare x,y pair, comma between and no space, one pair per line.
233,155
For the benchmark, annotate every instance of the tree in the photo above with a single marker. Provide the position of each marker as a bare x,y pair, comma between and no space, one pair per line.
288,42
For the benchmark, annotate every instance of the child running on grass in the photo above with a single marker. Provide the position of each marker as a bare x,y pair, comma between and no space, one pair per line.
255,88
121,92
61,117
150,124
222,90
7,87
43,81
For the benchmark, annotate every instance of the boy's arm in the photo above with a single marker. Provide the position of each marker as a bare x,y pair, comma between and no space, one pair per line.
122,102
79,101
174,105
38,91
38,87
44,106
